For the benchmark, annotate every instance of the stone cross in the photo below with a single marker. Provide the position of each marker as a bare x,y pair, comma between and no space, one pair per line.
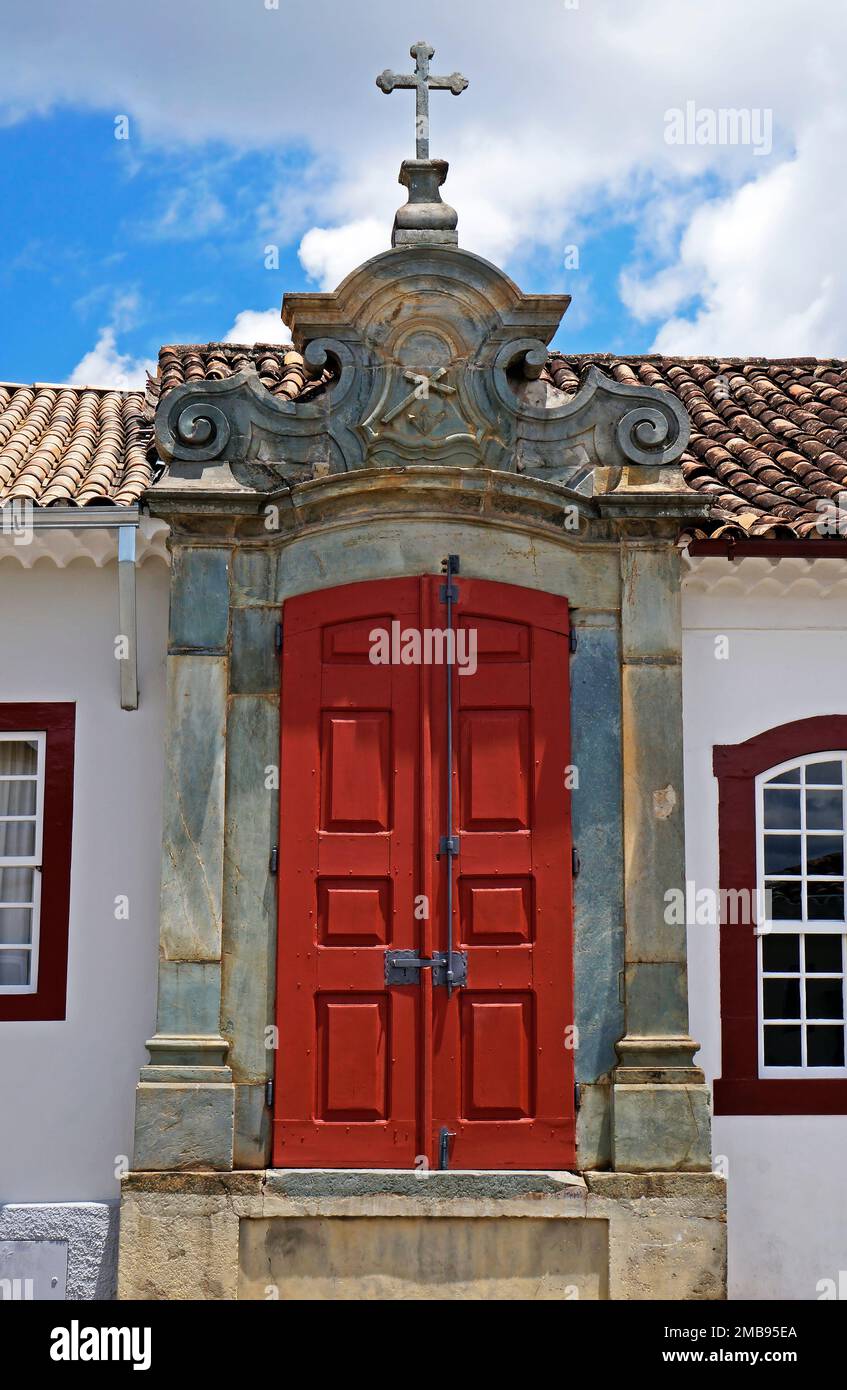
423,82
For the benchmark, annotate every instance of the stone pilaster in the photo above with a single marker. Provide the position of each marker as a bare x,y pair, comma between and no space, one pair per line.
660,1104
185,1098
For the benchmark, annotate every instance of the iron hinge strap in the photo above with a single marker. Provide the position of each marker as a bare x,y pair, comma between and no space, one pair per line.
278,637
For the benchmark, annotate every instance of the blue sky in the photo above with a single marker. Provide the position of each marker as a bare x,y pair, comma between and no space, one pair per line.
253,125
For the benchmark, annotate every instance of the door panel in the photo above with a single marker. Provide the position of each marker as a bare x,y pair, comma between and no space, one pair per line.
503,1071
368,1075
346,1073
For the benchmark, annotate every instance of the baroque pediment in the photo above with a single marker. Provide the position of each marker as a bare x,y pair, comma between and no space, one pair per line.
436,357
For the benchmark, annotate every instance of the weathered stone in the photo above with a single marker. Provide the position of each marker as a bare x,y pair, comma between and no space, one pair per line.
661,1127
252,1142
252,818
177,1248
179,1125
189,997
199,599
192,850
415,1258
254,660
596,826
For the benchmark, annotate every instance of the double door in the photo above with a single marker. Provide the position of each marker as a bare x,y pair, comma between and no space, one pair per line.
381,1062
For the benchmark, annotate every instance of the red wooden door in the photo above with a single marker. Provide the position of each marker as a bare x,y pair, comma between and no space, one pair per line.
368,1074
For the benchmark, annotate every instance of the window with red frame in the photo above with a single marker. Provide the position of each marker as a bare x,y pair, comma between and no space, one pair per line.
36,812
782,841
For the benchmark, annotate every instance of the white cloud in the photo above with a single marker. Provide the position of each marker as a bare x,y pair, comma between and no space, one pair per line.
327,254
767,263
104,365
563,126
258,326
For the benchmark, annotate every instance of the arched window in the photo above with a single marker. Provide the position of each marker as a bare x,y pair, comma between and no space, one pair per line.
800,817
782,812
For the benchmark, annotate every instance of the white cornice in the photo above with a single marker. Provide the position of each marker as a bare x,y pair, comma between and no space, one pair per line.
765,577
63,544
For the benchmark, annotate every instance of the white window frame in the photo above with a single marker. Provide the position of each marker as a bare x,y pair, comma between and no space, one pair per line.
32,861
801,927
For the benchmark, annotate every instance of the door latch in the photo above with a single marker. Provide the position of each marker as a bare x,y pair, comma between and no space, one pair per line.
404,967
444,1137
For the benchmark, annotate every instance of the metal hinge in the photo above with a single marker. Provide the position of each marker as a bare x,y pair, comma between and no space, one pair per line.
274,864
576,1095
449,566
576,863
278,637
449,845
269,1093
404,968
573,640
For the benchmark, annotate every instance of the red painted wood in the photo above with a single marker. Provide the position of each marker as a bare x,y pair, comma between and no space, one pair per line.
740,1090
347,1060
367,1076
503,1075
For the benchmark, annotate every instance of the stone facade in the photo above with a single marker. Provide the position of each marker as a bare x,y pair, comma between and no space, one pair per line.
375,479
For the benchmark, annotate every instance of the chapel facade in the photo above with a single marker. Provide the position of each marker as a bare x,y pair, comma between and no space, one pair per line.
462,796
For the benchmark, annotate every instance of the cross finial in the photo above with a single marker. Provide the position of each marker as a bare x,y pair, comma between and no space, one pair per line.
423,82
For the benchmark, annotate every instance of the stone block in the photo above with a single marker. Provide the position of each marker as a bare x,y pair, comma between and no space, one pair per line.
192,844
189,997
254,660
183,1126
252,816
199,599
664,1127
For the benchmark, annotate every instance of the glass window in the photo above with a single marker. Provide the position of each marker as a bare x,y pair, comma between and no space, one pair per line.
21,822
802,926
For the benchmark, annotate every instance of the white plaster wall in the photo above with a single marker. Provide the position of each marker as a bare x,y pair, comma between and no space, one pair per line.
67,1088
787,660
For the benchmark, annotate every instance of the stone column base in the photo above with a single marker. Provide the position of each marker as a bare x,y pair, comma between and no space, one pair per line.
375,1235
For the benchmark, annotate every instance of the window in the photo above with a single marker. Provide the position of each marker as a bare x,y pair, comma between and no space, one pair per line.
782,827
800,817
21,839
36,801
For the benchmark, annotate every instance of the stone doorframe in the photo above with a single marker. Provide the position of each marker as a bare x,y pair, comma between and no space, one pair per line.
237,555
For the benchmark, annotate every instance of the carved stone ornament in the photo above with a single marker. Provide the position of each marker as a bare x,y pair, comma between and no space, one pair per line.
437,358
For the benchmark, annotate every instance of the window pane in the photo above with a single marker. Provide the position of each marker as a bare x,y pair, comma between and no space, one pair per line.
14,967
825,1047
781,952
823,953
18,755
17,839
785,901
16,928
831,774
792,775
18,798
782,810
825,902
782,1046
782,854
782,999
824,810
823,999
824,854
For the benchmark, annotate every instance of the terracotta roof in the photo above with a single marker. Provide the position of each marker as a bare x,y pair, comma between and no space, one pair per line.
73,444
768,441
768,437
281,369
